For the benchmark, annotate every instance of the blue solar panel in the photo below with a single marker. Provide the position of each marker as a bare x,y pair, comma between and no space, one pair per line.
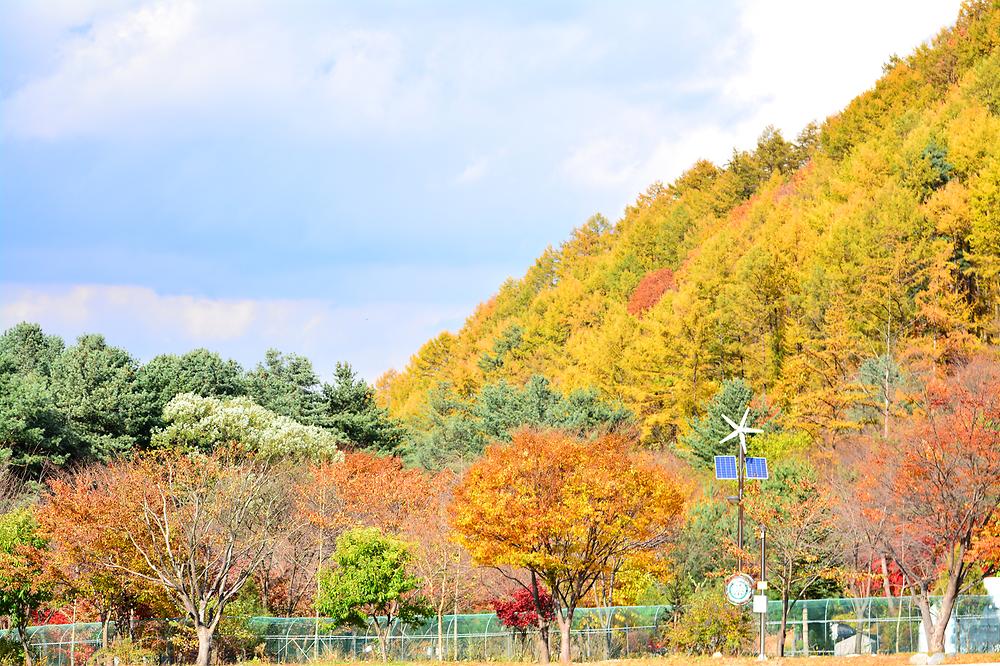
756,468
725,467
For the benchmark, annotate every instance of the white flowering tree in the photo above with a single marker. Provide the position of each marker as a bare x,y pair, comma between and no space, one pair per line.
197,424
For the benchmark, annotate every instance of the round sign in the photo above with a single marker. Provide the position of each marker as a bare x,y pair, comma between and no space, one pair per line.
739,589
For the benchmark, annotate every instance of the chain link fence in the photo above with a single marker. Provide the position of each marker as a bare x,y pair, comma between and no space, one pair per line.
814,627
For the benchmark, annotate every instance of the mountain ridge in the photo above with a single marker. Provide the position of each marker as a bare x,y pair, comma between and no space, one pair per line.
872,235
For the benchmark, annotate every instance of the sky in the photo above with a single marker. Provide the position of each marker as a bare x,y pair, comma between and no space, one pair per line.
345,180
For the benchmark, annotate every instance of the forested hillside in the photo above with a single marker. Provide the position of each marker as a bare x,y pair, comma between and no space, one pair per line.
825,272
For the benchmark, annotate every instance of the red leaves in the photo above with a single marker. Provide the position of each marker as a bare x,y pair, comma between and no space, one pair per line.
520,612
650,290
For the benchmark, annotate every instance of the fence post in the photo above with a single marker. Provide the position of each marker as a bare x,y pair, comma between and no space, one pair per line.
805,629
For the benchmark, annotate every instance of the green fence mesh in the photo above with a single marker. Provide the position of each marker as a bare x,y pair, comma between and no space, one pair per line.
813,627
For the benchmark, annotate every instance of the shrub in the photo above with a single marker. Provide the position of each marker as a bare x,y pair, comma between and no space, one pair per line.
710,624
11,652
126,651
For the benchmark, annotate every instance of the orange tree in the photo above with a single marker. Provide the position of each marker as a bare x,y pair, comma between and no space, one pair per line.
77,551
938,486
196,527
563,509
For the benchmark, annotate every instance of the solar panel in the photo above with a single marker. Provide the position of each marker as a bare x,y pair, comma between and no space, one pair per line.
725,468
756,468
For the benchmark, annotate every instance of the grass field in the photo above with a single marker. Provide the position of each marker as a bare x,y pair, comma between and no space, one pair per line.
880,660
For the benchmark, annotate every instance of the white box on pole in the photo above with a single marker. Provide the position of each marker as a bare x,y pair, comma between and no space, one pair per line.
760,603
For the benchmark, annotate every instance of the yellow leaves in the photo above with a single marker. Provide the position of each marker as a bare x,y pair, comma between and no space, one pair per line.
552,502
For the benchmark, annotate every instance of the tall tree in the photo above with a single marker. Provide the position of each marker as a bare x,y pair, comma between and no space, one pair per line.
35,433
25,349
199,527
23,584
563,509
937,486
200,371
95,386
351,409
800,526
73,518
288,385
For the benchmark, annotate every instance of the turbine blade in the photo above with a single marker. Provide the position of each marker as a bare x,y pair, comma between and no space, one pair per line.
730,422
728,437
743,421
743,443
752,430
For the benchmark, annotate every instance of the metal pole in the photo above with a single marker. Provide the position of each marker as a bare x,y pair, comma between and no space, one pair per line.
763,576
739,509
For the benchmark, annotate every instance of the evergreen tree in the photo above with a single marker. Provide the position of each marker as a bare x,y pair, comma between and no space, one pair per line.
287,384
352,410
95,385
200,371
703,440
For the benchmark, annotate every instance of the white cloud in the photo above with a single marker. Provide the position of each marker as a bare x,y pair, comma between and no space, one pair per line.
473,172
373,336
791,63
176,64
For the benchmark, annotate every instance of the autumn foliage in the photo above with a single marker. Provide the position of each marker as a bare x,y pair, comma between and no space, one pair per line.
650,290
564,509
520,610
935,490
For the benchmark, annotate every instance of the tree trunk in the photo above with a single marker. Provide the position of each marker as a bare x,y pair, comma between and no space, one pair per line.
784,623
383,638
936,643
22,634
565,623
440,615
886,587
924,604
542,642
204,644
859,618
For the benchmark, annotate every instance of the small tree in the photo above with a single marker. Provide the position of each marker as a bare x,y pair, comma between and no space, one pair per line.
703,440
23,584
370,584
800,527
527,609
563,509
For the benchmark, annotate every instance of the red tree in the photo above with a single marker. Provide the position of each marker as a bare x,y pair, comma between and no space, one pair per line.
938,486
519,610
650,290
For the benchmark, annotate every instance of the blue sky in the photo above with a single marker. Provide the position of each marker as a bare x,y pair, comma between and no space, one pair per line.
345,180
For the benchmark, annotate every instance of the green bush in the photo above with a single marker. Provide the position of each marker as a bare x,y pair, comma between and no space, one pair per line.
710,624
127,651
11,652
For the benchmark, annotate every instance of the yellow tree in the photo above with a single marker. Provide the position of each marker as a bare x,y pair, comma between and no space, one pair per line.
564,509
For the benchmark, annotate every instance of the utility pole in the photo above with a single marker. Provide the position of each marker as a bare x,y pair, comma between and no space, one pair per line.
761,656
740,471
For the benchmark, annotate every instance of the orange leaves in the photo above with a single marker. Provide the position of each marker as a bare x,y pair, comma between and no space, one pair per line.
550,502
362,490
650,290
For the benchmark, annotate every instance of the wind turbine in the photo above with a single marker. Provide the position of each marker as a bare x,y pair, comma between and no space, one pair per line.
740,430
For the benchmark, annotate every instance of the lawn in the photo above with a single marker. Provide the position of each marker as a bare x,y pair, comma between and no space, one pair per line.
879,660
